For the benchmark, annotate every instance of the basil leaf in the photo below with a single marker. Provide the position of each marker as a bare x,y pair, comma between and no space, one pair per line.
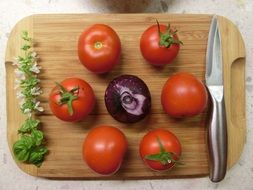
23,155
21,148
37,156
37,136
28,141
29,125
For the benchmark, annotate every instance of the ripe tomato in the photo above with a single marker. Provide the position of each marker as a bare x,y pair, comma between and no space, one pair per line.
159,44
183,95
160,149
104,149
99,48
72,99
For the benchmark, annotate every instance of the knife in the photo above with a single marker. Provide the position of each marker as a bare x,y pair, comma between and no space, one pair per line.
217,131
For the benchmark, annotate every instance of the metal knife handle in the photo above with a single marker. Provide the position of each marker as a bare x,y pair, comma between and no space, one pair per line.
217,135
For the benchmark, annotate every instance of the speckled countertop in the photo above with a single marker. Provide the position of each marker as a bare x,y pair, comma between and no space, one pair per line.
239,11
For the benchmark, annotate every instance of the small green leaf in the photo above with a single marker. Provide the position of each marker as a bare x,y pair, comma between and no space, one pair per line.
28,141
37,136
23,155
25,36
34,157
29,125
21,148
37,156
26,47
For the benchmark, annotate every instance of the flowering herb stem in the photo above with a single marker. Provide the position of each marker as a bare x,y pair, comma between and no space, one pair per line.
30,147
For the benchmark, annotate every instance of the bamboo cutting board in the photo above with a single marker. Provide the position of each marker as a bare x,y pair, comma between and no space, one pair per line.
56,38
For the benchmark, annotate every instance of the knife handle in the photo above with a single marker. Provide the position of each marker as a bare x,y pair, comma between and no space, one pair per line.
217,135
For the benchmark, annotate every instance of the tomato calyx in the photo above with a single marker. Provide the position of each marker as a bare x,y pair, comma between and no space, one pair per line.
67,97
167,38
98,45
164,157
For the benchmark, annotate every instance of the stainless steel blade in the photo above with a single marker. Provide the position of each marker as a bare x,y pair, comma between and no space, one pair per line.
214,56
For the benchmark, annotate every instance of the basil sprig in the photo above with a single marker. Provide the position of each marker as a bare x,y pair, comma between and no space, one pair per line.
30,147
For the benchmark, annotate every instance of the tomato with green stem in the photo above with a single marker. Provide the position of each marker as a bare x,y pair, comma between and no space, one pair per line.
160,149
159,44
72,99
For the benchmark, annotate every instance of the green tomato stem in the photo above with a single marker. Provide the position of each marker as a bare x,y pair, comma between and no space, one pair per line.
167,38
68,97
164,157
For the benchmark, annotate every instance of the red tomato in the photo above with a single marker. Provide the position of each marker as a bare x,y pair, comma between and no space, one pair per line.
160,149
159,45
72,100
99,48
104,149
184,95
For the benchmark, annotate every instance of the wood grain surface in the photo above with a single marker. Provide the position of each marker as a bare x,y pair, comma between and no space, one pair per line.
56,38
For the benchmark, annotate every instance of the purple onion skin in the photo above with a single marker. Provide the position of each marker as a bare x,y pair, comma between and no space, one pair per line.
127,99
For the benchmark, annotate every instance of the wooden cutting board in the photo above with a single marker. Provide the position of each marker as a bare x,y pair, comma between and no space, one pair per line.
56,38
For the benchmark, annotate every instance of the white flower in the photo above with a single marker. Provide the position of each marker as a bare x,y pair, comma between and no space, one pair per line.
35,68
19,74
27,111
37,107
34,54
16,62
21,103
20,95
16,83
36,91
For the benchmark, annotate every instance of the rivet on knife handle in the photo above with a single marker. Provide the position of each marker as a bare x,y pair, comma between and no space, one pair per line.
217,136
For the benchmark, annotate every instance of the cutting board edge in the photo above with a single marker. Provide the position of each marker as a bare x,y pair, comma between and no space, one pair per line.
238,57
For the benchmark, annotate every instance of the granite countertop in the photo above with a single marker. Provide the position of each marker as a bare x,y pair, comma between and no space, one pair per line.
239,11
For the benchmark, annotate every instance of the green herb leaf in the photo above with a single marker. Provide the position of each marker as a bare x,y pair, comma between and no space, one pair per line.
25,36
29,125
37,136
26,47
37,156
21,148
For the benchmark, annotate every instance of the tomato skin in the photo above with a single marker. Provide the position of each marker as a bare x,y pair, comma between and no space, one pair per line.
82,106
184,95
104,149
151,50
99,48
149,145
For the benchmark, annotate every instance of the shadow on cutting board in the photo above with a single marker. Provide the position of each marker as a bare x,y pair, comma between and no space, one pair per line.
133,6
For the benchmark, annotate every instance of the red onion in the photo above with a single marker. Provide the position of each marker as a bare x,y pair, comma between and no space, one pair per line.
127,99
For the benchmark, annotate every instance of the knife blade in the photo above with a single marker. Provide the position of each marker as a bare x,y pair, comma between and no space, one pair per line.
217,129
